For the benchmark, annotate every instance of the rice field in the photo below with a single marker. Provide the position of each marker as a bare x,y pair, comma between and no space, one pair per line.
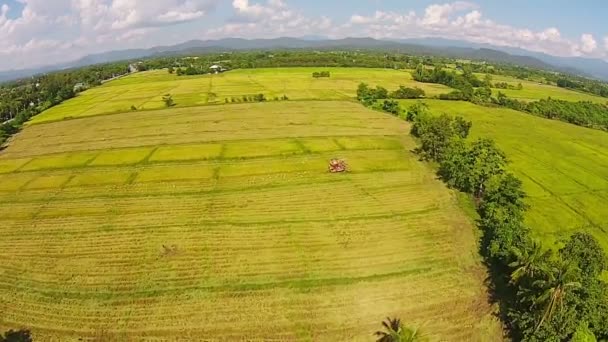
223,223
145,90
564,168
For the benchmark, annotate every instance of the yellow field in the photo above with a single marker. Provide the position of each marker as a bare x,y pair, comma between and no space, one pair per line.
222,222
145,90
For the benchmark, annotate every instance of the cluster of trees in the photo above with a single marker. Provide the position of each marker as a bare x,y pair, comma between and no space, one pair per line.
582,113
319,74
464,82
407,93
544,296
368,95
188,71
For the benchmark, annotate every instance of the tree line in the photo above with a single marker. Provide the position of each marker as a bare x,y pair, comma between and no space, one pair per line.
543,295
583,84
582,113
368,95
255,98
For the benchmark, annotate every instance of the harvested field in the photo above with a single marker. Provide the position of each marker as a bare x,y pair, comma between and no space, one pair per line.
223,223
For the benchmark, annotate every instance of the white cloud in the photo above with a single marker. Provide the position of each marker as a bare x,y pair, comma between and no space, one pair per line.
440,14
588,43
379,17
59,30
269,19
464,21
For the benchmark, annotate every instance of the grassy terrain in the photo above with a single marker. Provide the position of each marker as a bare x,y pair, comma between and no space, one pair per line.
564,167
533,91
222,221
145,90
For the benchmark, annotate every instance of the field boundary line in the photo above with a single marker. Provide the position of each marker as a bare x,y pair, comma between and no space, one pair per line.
304,283
199,142
214,191
51,198
301,146
215,160
146,159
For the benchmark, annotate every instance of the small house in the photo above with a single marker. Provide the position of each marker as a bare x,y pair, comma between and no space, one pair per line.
80,87
216,69
134,67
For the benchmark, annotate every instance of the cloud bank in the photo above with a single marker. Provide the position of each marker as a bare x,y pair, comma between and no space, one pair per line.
55,31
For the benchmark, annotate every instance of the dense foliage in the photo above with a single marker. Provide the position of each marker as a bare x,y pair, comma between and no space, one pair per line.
320,74
189,71
464,82
255,98
407,93
543,296
291,58
583,84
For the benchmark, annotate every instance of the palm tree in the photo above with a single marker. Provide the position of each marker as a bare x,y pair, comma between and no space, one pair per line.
559,281
394,331
528,261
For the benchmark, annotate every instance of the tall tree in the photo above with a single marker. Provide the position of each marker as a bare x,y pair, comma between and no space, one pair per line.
583,249
488,161
394,331
559,280
529,262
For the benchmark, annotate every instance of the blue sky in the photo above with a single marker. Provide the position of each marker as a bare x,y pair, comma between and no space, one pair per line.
38,32
572,17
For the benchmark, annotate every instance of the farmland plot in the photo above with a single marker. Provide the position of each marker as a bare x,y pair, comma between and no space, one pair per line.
145,90
222,222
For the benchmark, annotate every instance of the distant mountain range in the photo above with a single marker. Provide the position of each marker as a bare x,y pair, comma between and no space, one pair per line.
426,46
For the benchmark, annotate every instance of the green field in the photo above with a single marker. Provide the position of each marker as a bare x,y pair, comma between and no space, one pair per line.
533,91
564,167
222,222
145,90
